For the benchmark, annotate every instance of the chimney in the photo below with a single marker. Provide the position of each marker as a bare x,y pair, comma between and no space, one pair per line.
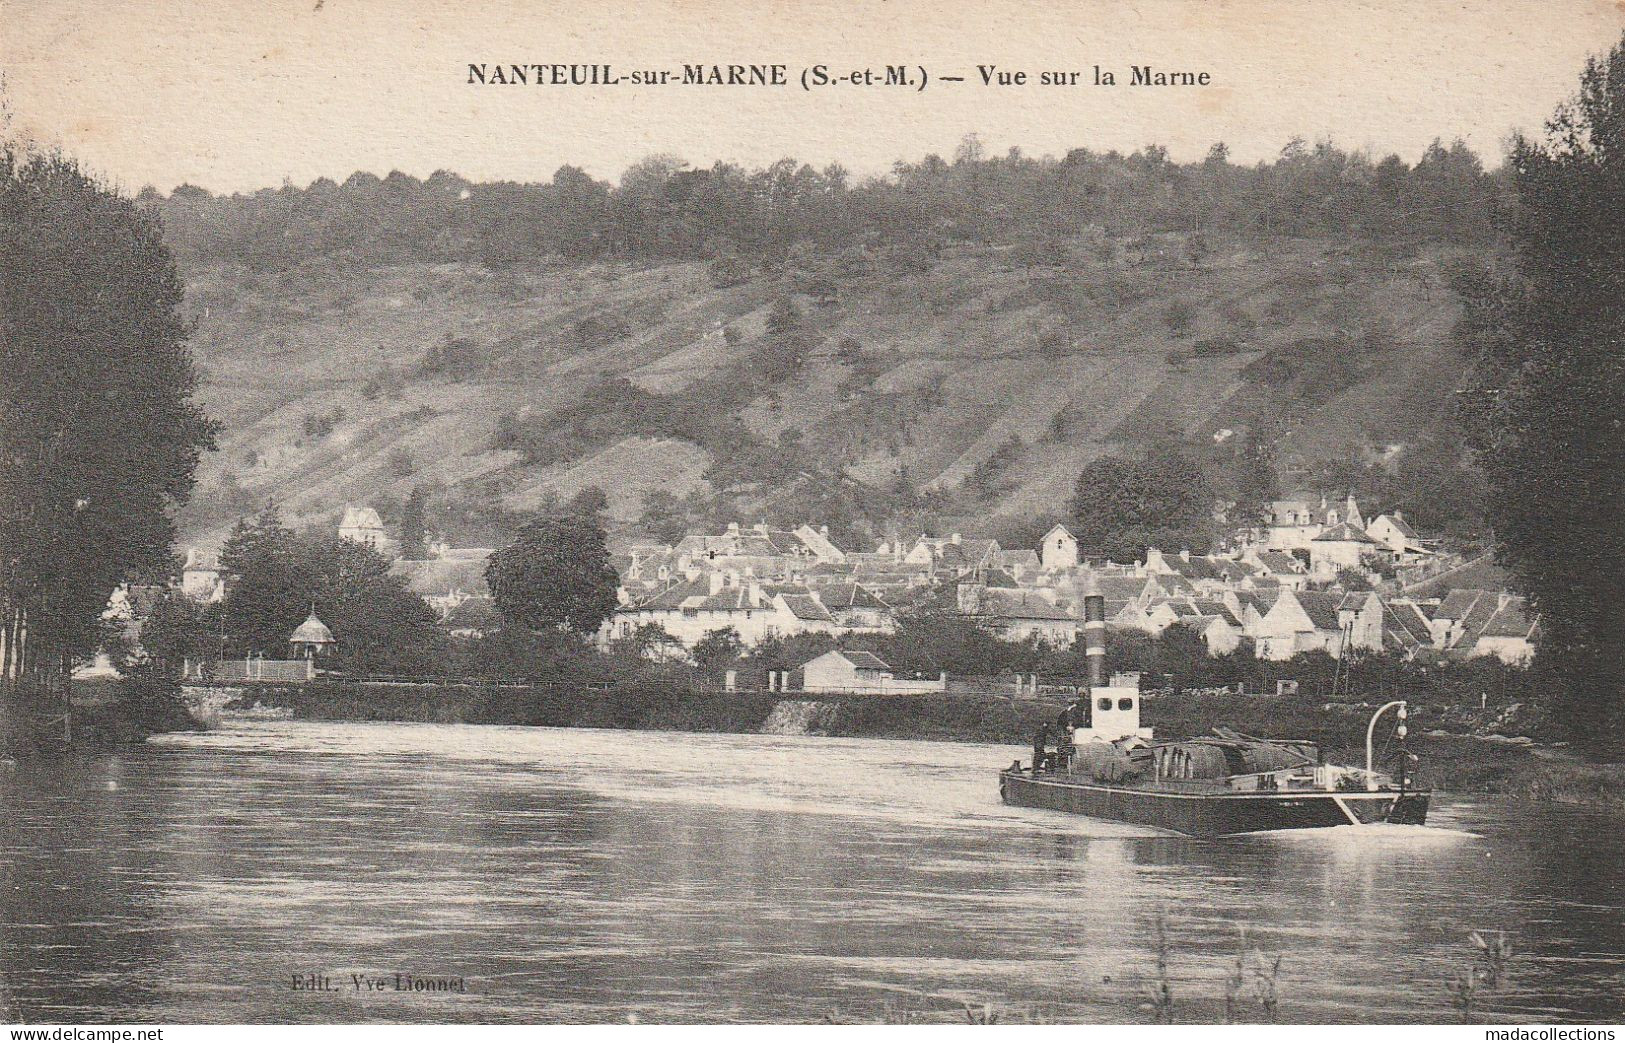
1094,632
733,528
954,539
1399,516
715,582
823,530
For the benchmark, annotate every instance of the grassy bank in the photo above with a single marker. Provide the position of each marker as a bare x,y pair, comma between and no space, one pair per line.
1459,763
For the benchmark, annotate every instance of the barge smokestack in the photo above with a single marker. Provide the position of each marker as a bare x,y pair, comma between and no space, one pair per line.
1094,633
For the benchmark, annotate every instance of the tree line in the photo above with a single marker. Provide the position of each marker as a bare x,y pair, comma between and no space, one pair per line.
99,434
664,209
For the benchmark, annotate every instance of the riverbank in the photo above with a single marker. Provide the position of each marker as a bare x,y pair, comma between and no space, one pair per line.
1452,760
98,714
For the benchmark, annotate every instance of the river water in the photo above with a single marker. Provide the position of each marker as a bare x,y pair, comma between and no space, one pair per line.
583,876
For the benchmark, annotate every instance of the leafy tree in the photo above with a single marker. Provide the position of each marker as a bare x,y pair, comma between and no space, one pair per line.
648,641
590,502
266,584
555,576
1251,479
415,525
1122,506
179,629
718,650
663,515
931,642
783,318
1551,394
99,435
279,577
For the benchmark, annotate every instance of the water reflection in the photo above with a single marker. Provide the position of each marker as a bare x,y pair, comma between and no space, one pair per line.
735,877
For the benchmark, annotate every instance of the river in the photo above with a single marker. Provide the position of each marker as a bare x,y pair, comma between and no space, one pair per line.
586,876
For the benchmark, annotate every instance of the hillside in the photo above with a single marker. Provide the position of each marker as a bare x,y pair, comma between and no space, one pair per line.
986,378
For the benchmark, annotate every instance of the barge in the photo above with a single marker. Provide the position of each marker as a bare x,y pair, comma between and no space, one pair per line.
1103,764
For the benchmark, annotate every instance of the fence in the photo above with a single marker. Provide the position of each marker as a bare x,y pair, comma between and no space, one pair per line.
250,670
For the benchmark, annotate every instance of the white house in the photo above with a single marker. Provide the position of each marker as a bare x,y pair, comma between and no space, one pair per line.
865,672
363,525
1342,546
1292,524
1059,549
1395,535
200,577
1220,634
757,612
1510,635
1311,621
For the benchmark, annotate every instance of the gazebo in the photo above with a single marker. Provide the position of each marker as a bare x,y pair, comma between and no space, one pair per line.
311,638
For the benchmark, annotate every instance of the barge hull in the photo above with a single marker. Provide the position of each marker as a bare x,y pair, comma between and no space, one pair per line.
1214,815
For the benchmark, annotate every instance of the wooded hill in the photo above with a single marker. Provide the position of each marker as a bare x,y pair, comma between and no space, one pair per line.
954,341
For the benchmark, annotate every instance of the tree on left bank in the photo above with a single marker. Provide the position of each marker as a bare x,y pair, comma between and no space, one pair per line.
99,434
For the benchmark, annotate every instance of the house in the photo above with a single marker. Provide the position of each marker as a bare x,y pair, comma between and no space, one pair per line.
767,551
1511,634
1147,617
472,617
1120,592
1059,549
1291,524
818,543
855,608
692,608
1395,535
362,525
1019,614
849,671
1407,632
1342,546
1317,621
1174,585
444,583
955,553
1221,634
1461,615
1482,622
1285,569
201,579
1018,563
1360,618
1251,606
1206,574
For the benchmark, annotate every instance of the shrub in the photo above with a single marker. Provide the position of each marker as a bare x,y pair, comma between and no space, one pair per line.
320,425
1180,316
402,463
456,358
1215,347
728,271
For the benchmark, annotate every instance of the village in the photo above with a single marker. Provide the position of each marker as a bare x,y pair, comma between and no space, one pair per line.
1317,576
